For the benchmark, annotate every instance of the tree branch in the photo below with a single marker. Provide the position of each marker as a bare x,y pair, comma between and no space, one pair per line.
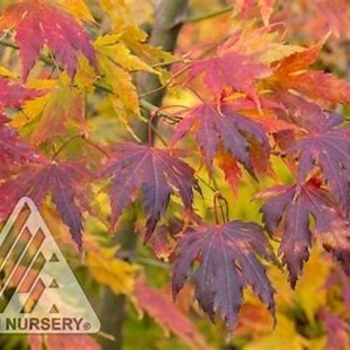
170,16
168,21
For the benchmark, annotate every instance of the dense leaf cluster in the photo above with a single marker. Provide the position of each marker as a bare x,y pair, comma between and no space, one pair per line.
256,99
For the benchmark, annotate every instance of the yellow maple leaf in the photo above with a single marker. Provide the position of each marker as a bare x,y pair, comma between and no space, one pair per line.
309,296
266,43
33,108
310,291
86,75
47,117
109,46
107,269
7,73
79,10
125,25
116,62
284,336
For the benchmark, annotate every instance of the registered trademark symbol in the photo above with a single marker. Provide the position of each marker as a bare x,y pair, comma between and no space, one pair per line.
87,326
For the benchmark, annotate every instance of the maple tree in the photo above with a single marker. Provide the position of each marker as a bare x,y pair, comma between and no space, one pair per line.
110,133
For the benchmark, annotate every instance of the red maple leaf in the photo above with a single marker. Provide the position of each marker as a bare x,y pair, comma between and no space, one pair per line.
229,68
62,342
14,95
163,240
324,145
214,128
66,182
226,260
37,24
159,305
265,6
13,150
153,172
291,209
315,19
337,329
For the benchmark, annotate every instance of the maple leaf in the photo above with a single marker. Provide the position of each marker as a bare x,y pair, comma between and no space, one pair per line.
284,336
323,88
221,260
161,308
109,47
163,240
300,61
126,25
108,269
339,280
315,19
56,117
79,10
62,342
254,319
153,172
13,150
301,115
47,117
324,144
65,181
292,74
37,24
337,329
238,135
116,63
14,95
266,44
266,8
230,168
311,296
291,209
229,68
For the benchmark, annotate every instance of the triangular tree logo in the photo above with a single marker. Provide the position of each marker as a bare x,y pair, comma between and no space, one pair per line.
38,290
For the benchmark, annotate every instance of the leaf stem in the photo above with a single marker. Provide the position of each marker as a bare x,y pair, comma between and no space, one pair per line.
152,262
219,202
150,129
226,214
216,203
209,15
43,58
64,144
96,146
80,136
148,105
160,111
206,183
167,63
148,93
157,133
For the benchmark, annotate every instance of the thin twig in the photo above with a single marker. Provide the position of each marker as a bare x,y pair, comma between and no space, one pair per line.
44,58
65,144
209,15
96,146
152,262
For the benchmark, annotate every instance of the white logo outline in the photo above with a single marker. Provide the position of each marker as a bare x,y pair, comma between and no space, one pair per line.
50,300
